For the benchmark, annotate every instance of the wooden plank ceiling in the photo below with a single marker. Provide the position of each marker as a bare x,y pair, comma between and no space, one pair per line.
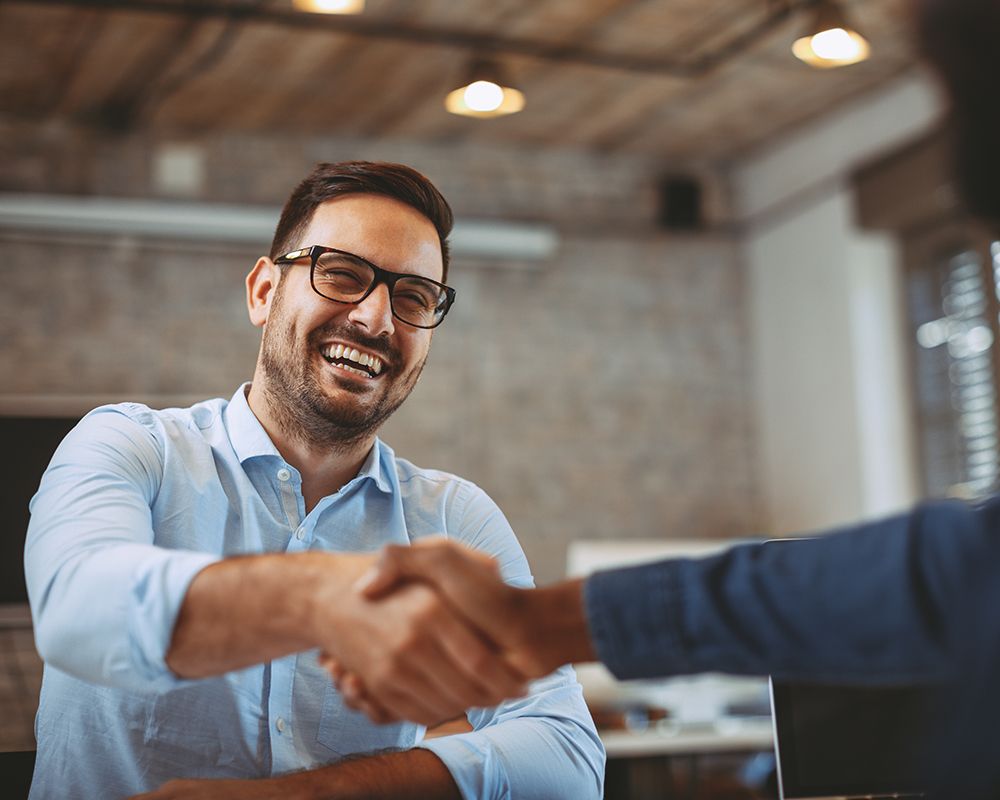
678,79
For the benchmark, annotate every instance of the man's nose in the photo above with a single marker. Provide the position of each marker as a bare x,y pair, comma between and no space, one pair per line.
374,313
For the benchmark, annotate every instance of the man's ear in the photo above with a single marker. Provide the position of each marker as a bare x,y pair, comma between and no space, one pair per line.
261,284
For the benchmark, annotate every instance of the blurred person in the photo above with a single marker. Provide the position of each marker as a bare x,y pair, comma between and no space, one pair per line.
186,566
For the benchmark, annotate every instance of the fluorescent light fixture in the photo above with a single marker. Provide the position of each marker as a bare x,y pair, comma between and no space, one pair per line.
251,225
155,218
487,238
831,41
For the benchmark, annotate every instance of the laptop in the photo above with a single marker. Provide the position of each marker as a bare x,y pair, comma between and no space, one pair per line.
846,741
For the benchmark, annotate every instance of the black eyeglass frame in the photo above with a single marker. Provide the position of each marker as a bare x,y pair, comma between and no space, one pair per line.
380,276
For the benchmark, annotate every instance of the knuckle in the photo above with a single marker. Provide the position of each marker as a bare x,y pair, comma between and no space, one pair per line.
482,662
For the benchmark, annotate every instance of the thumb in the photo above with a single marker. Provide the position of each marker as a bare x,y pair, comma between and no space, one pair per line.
453,569
469,579
384,575
398,563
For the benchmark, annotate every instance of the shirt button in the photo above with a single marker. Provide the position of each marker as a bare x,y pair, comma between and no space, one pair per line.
284,474
280,724
301,533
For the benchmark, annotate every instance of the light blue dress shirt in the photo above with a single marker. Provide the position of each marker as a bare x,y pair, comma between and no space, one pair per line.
137,501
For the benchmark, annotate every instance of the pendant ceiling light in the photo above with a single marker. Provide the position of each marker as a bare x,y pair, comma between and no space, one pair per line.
330,6
485,94
831,41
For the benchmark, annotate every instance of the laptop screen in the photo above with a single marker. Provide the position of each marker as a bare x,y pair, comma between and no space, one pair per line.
846,741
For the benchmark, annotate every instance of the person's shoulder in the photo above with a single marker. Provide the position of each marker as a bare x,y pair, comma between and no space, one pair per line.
408,472
200,416
436,487
463,502
157,422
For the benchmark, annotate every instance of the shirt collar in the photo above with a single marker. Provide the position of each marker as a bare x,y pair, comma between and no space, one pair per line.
378,466
250,440
248,437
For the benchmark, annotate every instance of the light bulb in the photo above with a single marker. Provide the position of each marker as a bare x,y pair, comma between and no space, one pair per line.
330,6
483,96
835,43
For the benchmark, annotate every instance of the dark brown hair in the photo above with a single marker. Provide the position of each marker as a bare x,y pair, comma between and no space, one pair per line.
328,181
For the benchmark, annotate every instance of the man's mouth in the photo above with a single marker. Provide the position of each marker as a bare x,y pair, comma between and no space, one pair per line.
352,360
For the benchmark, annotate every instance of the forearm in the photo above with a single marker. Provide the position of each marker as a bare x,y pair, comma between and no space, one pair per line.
869,604
412,773
251,609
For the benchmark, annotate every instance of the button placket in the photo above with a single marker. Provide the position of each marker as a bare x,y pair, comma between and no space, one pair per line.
279,706
289,497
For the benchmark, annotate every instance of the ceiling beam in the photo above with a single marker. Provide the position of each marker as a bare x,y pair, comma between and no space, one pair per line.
476,41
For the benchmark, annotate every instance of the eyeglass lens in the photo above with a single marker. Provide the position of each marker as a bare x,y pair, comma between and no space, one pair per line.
416,300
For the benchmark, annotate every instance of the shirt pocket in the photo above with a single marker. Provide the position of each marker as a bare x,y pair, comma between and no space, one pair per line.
348,732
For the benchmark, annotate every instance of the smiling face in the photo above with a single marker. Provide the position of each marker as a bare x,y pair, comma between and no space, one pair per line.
331,374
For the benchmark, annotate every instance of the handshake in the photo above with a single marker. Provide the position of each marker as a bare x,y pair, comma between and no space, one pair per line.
451,635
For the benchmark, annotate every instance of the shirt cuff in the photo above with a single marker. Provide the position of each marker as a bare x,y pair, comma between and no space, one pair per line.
156,596
473,763
634,618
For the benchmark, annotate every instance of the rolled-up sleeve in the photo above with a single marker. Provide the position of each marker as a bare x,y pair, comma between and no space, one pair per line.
543,746
103,597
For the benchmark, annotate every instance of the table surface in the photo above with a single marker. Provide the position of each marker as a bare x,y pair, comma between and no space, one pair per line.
727,734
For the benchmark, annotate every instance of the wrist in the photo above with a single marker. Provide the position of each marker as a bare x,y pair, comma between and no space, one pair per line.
556,626
325,591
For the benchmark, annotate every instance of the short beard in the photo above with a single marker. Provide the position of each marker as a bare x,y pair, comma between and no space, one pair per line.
298,406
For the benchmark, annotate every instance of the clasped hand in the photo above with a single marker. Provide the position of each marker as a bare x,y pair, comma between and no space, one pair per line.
463,641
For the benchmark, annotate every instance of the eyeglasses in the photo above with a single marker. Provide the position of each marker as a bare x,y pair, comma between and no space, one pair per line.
346,278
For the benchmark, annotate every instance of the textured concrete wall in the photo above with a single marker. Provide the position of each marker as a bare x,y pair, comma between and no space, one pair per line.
602,394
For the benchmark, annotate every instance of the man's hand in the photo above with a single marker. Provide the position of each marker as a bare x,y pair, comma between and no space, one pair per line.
535,630
416,654
411,647
471,582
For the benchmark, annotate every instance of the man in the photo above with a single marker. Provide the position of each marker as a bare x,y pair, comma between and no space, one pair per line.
186,566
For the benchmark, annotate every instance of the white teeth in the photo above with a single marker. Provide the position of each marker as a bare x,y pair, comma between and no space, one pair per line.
373,363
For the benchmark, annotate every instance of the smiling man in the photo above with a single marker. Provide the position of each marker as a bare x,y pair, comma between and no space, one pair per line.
188,568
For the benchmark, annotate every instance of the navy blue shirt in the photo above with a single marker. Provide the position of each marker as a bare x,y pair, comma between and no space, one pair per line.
911,599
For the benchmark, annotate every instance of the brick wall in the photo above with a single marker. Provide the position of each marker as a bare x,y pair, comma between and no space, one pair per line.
602,394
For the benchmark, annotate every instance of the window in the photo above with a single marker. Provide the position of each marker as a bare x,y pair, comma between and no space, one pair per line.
953,285
952,275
